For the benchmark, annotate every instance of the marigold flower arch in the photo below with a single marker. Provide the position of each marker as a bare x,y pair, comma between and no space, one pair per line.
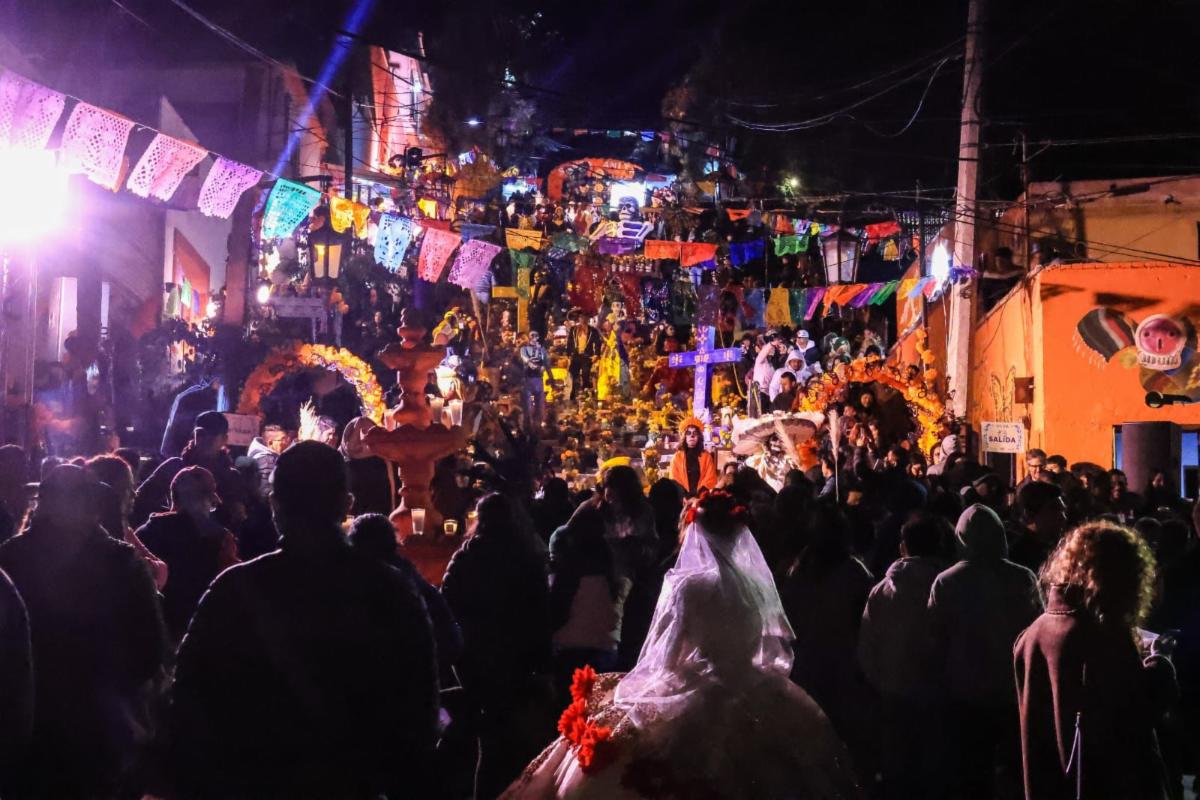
918,391
297,355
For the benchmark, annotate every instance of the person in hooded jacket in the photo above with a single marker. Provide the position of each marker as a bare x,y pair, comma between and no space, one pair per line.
794,365
977,608
895,653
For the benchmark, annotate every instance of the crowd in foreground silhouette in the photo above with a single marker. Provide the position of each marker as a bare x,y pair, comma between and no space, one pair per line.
965,641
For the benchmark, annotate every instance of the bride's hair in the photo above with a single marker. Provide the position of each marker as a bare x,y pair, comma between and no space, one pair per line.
718,512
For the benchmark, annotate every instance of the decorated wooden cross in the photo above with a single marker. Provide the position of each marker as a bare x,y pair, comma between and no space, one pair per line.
700,358
519,292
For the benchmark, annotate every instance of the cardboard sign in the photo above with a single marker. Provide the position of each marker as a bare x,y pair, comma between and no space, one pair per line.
242,429
1003,437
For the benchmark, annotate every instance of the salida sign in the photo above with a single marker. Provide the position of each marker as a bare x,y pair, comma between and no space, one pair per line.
1003,437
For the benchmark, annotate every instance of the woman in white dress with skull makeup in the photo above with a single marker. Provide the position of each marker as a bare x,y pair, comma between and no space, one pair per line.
708,711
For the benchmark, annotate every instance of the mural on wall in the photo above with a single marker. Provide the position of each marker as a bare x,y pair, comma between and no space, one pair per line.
1003,393
1162,347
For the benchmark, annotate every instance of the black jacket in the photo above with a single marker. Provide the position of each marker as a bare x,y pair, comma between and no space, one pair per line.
98,641
307,672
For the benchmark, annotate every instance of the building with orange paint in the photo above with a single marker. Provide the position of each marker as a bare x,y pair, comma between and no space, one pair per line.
1097,340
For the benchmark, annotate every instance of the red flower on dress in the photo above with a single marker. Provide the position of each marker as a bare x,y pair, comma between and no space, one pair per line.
591,741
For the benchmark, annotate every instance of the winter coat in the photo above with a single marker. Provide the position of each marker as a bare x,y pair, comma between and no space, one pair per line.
894,648
496,586
264,460
1077,677
154,495
977,608
307,672
16,677
194,553
98,642
587,600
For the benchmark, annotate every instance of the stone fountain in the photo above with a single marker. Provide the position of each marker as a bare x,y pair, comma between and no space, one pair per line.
415,441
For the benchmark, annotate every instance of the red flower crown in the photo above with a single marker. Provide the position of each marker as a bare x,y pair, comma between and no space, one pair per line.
718,501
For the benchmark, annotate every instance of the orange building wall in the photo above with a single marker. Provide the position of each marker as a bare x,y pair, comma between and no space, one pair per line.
1078,398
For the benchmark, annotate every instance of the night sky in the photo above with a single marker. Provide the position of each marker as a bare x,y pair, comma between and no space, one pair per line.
1061,69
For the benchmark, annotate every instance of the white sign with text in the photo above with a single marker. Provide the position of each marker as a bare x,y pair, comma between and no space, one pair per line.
1003,437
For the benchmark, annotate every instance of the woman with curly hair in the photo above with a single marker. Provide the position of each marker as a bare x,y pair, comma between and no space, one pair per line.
1089,699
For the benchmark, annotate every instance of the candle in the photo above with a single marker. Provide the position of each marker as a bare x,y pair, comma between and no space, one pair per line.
418,521
450,527
435,409
456,412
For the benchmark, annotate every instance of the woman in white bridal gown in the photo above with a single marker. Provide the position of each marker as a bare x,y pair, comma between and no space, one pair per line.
708,711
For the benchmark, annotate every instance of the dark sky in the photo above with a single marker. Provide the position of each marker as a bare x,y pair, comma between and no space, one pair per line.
1062,69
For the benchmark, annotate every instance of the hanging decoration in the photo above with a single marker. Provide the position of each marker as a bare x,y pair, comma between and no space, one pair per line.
778,310
288,205
522,259
744,252
344,212
797,304
661,249
392,239
470,230
472,262
93,143
697,254
814,301
520,239
224,186
28,112
435,252
163,166
753,307
788,244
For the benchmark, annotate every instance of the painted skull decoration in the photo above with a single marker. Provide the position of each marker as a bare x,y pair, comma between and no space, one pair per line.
1160,340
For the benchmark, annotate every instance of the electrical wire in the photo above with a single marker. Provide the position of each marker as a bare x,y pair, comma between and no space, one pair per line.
825,119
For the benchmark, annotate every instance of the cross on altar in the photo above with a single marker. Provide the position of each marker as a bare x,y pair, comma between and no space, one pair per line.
519,292
700,358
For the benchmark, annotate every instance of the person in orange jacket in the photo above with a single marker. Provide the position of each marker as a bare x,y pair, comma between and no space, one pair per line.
693,467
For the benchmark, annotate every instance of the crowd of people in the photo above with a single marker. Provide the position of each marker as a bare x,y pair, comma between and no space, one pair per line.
206,626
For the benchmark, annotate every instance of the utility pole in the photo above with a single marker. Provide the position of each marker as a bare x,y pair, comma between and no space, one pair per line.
1026,250
348,144
962,298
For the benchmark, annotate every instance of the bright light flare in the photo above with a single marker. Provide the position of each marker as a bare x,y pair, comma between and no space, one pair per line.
939,263
212,309
263,294
33,194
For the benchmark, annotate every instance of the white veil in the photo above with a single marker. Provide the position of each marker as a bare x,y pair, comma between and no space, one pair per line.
718,623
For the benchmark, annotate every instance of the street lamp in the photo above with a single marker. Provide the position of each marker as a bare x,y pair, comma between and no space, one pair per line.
326,245
840,251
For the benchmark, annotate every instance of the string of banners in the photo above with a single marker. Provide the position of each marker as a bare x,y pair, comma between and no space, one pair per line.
94,144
